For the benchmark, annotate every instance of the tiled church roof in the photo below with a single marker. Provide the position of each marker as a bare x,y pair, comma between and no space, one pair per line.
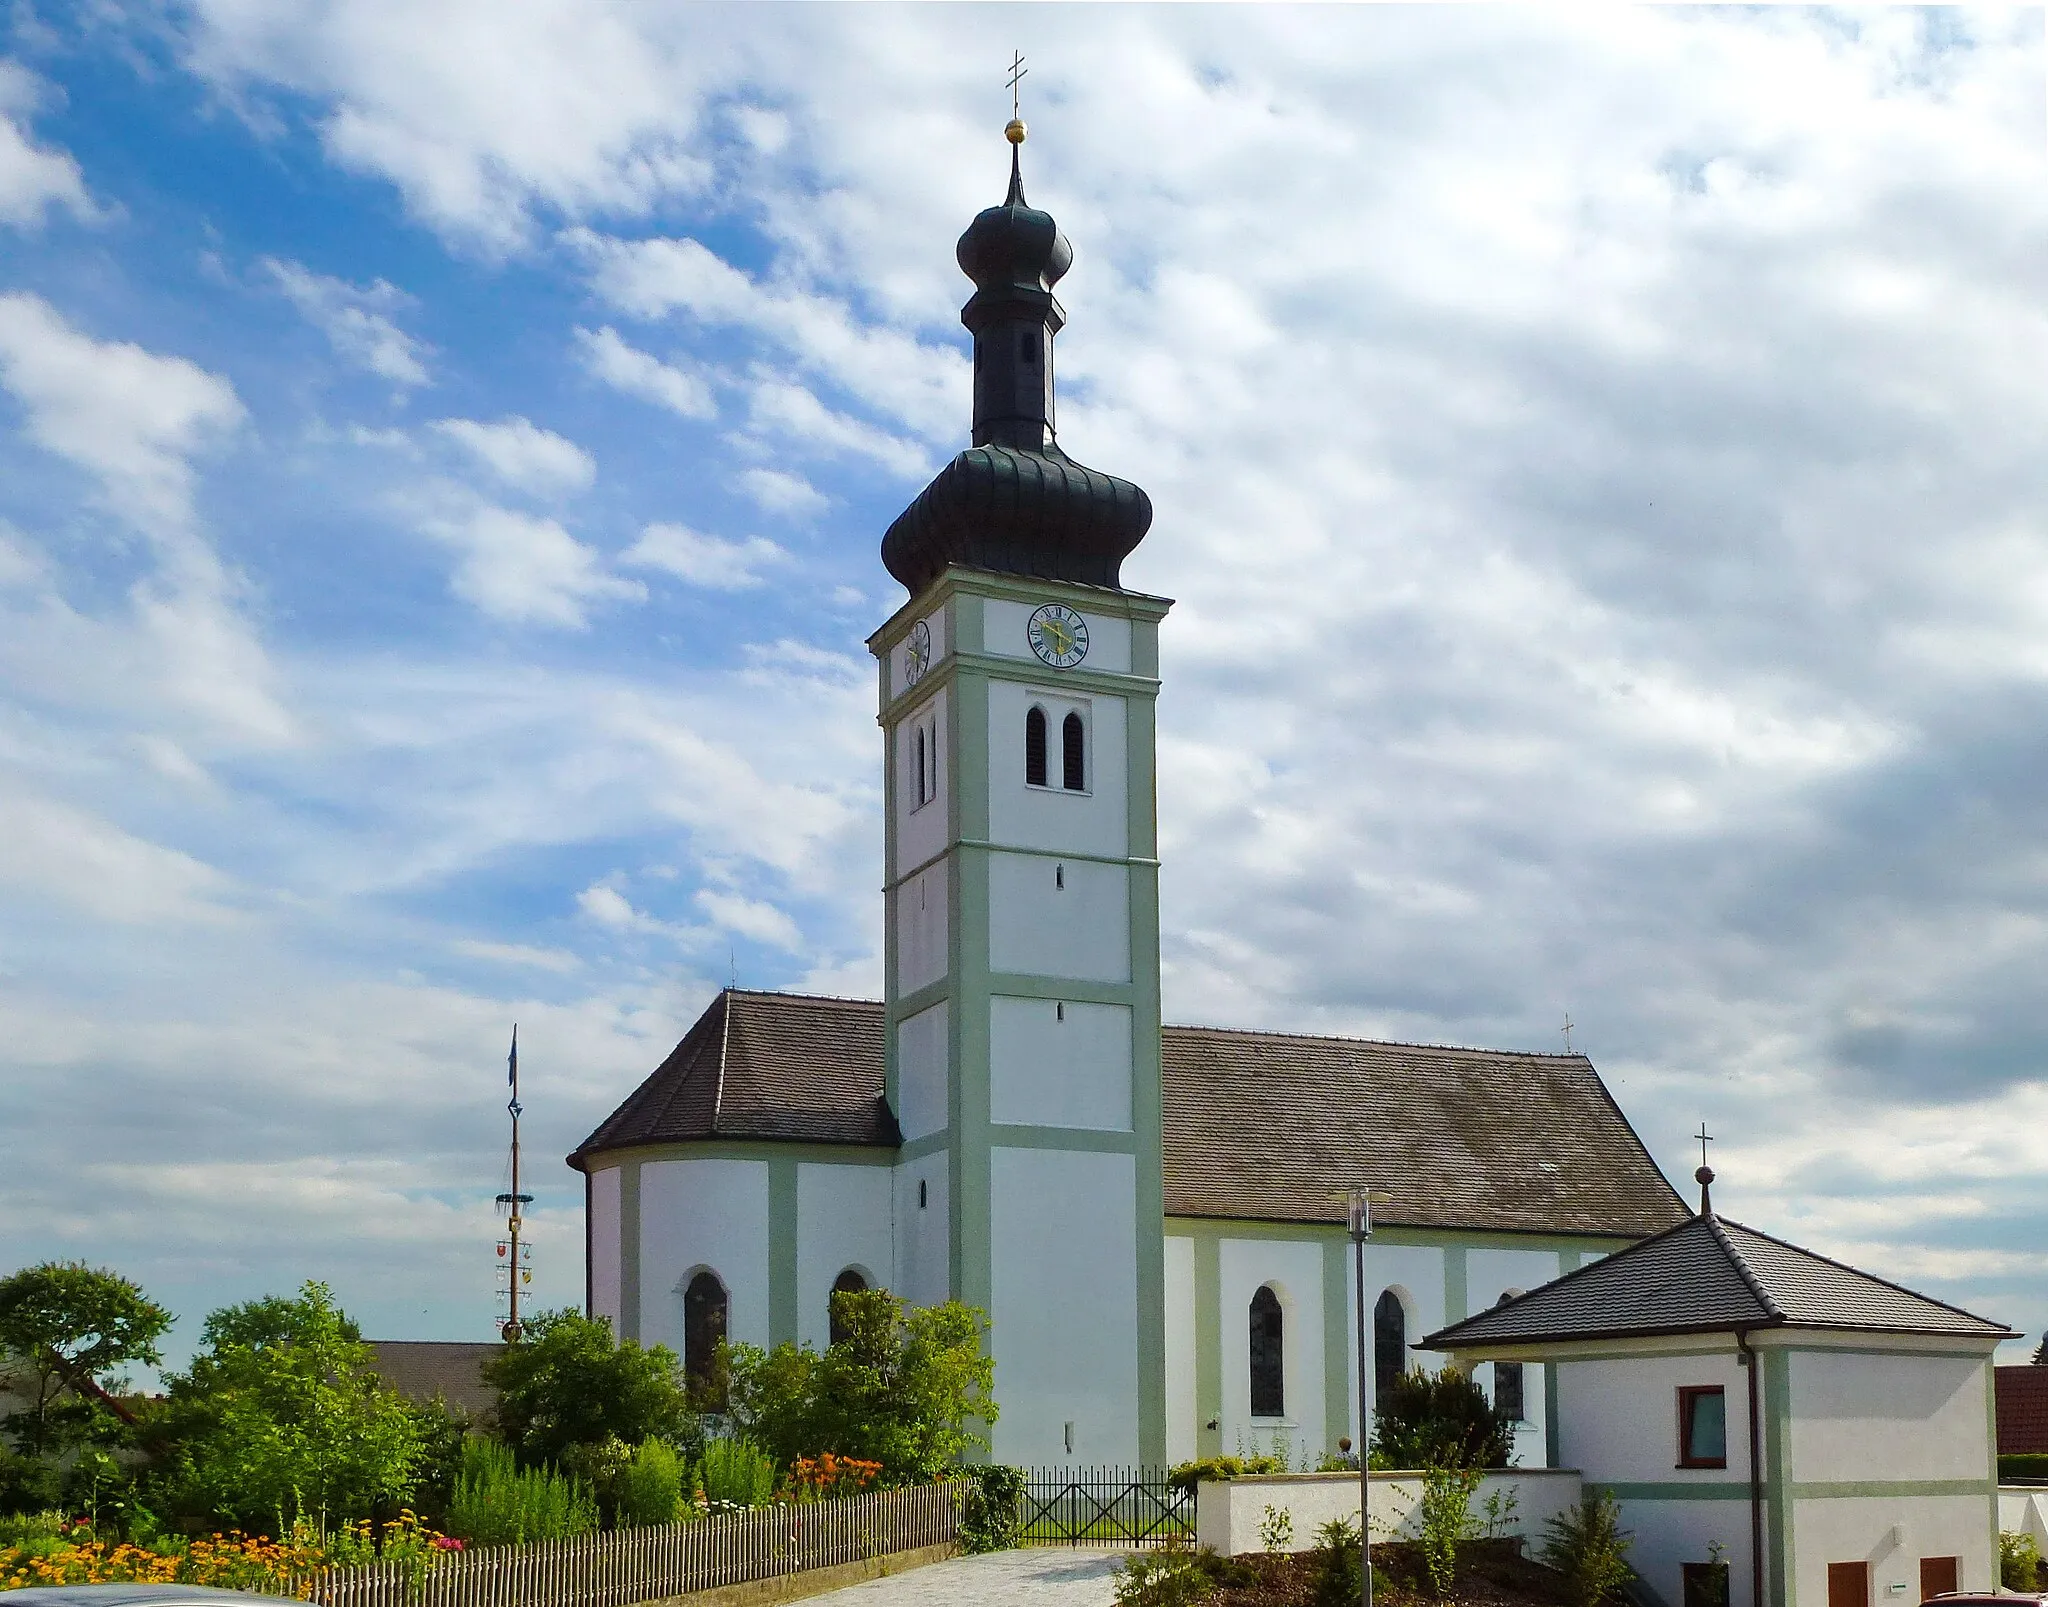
1262,1126
1708,1275
2022,1409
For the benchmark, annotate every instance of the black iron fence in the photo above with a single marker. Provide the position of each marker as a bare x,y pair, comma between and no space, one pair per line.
1105,1506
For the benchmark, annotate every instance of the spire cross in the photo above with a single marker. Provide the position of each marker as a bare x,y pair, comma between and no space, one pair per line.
1017,72
1705,1139
1566,1029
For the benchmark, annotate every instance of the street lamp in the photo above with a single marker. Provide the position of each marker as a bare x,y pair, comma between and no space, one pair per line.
1358,1219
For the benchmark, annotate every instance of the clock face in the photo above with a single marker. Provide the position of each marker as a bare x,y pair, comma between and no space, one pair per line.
1058,635
917,652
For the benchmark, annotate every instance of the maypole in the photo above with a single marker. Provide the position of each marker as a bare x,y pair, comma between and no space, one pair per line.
509,1249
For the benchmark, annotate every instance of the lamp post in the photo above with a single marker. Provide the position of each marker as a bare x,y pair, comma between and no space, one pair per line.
1358,1217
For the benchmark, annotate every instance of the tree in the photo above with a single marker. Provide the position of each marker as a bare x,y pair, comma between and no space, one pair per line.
909,1389
282,1414
570,1383
65,1330
2041,1352
1440,1420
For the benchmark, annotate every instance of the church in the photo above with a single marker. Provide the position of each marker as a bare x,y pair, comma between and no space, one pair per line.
1152,1216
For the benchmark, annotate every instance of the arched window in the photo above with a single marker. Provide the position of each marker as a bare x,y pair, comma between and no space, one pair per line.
1034,747
704,1308
1389,1342
1269,1371
848,1282
1073,774
1507,1380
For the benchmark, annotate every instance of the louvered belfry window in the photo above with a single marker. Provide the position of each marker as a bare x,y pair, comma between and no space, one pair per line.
1073,754
1034,747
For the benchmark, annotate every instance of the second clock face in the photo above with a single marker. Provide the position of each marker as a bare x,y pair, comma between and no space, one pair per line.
1058,635
917,653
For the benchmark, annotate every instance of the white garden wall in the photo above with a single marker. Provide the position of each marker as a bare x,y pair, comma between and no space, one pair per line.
1228,1515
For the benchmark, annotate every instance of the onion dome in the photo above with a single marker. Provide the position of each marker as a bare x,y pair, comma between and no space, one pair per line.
1013,502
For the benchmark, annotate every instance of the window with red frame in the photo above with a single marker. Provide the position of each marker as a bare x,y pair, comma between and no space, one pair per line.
1703,1426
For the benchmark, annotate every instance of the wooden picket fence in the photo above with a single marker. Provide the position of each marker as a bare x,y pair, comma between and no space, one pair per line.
635,1565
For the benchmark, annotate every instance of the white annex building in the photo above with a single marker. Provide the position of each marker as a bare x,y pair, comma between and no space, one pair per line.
1151,1216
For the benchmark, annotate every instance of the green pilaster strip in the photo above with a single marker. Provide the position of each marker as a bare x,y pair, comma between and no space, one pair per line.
1456,1304
1991,1450
1091,1139
782,1242
1677,1490
1338,1323
967,1023
1147,1114
1780,1573
629,1250
1208,1345
1016,985
1567,1261
1857,1489
1552,1457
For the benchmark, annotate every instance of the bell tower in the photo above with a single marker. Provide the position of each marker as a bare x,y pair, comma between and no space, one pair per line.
1017,690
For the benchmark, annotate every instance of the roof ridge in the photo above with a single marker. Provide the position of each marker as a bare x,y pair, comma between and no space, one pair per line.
1843,1266
724,1042
1742,1267
805,998
1377,1043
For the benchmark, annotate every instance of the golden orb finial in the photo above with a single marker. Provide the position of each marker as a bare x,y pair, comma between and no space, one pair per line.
1014,131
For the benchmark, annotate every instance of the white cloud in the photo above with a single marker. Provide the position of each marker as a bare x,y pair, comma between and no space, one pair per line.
560,961
751,918
637,373
781,407
355,319
33,178
524,569
702,560
53,852
607,906
129,417
522,454
780,491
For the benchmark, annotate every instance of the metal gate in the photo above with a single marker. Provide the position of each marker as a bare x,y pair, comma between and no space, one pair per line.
1105,1506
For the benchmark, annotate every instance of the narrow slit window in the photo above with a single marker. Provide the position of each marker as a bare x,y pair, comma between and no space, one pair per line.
923,795
1268,1355
921,1196
1073,754
1034,747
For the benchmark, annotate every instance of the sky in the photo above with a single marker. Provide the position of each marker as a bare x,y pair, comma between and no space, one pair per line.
444,450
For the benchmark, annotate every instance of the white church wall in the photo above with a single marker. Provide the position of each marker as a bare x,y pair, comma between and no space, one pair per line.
921,1077
1060,1064
1415,1272
1003,625
1180,1348
921,924
604,1243
1489,1274
844,1219
703,1213
1617,1419
1294,1269
1064,1303
1671,1533
923,1259
1092,821
1853,1412
1059,918
922,831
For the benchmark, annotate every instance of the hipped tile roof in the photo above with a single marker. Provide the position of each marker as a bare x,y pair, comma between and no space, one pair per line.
1708,1275
451,1369
1262,1126
2022,1409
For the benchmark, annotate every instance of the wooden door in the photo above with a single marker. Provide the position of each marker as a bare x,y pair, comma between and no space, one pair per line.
1848,1584
1937,1576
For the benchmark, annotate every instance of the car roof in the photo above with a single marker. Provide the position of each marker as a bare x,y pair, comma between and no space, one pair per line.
123,1596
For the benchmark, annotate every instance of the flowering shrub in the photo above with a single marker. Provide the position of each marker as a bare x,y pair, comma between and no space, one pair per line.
818,1478
225,1561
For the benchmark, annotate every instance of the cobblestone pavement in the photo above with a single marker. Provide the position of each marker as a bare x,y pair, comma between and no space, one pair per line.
1036,1576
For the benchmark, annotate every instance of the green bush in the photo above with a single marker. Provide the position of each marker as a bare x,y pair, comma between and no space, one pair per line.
1221,1469
1339,1557
498,1503
1446,1522
909,1389
1588,1545
735,1475
1174,1576
1440,1419
2019,1562
2023,1465
992,1515
570,1383
650,1490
